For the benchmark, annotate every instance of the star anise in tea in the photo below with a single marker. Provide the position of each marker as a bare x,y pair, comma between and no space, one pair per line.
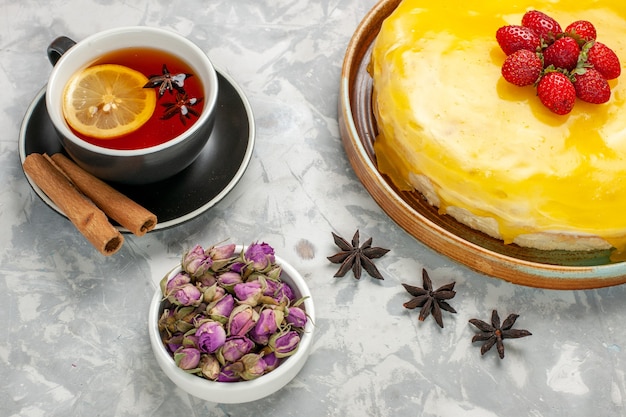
494,333
182,106
430,301
355,257
167,81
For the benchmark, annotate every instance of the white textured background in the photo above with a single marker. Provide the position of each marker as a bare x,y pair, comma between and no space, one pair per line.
73,337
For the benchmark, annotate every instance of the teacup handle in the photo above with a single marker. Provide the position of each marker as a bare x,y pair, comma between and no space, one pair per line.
58,47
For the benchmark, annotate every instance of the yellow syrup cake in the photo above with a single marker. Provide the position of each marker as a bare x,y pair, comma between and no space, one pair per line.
488,152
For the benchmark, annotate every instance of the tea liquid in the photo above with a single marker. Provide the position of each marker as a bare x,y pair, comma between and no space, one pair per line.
157,130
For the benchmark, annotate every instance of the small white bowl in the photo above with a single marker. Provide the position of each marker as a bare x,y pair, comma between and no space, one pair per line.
243,391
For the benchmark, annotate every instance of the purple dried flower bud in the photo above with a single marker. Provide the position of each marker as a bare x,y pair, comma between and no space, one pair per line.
196,262
209,366
229,279
296,316
187,295
190,339
271,287
222,252
187,358
274,272
177,281
267,325
184,316
285,343
249,292
212,293
235,347
230,372
222,308
285,293
259,336
280,291
271,361
185,313
211,336
237,267
241,320
206,280
254,366
261,255
174,343
193,258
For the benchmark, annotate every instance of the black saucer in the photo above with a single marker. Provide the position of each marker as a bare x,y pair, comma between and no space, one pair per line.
188,194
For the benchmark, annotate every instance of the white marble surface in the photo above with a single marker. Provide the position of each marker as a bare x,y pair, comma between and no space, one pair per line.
74,339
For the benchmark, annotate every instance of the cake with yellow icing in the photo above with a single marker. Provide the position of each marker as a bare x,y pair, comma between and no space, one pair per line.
487,152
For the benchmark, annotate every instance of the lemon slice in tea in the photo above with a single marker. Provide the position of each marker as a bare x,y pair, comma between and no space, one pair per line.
107,101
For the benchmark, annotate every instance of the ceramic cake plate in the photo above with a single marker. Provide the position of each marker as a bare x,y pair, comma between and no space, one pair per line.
530,267
189,193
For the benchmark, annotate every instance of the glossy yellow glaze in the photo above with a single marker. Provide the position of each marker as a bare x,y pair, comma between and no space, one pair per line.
444,111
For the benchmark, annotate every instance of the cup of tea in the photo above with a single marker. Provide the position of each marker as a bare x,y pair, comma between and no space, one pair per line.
132,105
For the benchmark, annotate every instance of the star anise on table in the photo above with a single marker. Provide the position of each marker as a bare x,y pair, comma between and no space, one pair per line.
431,301
495,333
355,257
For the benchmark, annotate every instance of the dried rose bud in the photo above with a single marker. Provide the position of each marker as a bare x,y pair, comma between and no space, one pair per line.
267,325
284,294
271,361
254,366
241,320
212,293
187,295
284,343
209,366
272,287
184,318
260,255
229,279
174,343
171,321
274,272
196,262
190,339
210,336
238,267
187,358
230,372
296,316
221,309
280,291
219,253
206,280
177,281
249,292
235,347
193,258
167,320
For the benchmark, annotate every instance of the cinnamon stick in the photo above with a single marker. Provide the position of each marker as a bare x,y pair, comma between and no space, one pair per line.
87,218
116,205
